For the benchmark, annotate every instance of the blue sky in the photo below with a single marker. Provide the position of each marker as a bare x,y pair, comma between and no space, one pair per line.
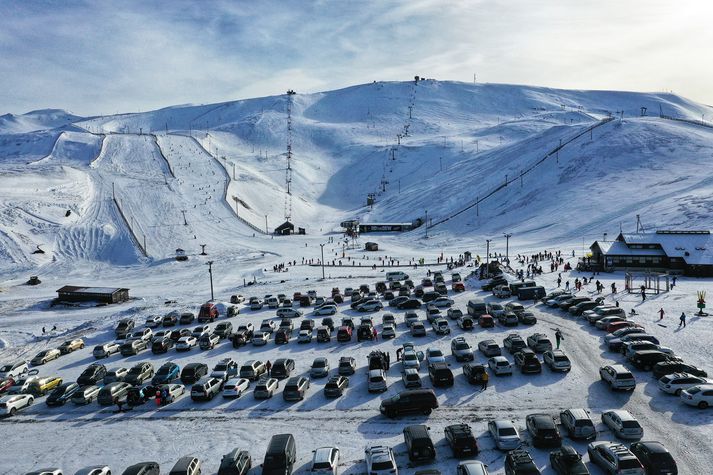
120,56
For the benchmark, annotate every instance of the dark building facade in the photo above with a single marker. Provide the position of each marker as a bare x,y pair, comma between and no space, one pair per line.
71,293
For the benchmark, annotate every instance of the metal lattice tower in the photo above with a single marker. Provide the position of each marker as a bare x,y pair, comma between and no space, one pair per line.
288,170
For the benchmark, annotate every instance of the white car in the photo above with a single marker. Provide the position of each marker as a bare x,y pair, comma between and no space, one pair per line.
505,434
225,369
21,386
95,470
623,424
319,368
411,378
14,370
325,460
325,310
265,388
410,359
380,460
235,387
677,382
305,336
700,396
376,381
434,355
185,343
442,302
144,334
9,405
175,390
260,338
46,471
500,365
200,330
410,318
472,468
45,356
388,331
370,306
153,321
106,350
440,326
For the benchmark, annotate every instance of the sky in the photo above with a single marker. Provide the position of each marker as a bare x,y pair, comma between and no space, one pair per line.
105,57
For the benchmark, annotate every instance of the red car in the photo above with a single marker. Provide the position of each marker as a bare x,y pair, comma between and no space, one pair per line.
458,287
344,334
5,384
208,312
486,321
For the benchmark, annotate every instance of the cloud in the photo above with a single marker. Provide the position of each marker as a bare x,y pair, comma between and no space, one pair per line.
105,57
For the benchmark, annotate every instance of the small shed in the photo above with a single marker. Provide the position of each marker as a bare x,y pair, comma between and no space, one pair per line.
71,293
285,229
371,246
181,255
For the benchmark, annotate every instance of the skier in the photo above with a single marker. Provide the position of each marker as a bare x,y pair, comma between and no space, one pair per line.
661,314
682,320
558,337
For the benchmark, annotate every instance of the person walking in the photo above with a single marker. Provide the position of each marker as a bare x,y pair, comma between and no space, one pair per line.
484,381
376,335
398,353
388,361
268,367
43,330
682,320
661,314
558,337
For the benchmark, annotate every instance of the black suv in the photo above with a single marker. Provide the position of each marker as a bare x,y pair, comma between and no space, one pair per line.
527,361
239,338
670,367
567,461
514,343
411,401
473,372
94,373
235,462
440,374
282,337
543,429
192,372
519,462
282,368
161,345
462,441
646,359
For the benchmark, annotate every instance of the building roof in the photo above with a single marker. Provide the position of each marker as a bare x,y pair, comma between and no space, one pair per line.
90,290
620,248
694,247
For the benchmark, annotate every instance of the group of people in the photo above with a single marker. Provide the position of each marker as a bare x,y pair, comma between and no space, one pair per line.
681,319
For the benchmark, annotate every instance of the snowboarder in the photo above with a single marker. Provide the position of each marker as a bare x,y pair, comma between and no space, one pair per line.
484,381
682,320
558,337
661,314
268,367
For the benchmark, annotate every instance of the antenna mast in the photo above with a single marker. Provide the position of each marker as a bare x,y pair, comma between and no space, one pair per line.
288,170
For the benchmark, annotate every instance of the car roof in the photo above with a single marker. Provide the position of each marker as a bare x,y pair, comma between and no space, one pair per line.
500,424
323,454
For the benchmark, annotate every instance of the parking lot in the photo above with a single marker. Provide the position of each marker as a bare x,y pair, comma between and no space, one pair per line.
210,429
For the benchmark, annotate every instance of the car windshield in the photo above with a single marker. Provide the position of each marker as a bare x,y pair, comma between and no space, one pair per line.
629,463
507,431
409,356
694,390
318,364
384,465
561,358
462,346
434,353
220,367
630,425
624,376
5,368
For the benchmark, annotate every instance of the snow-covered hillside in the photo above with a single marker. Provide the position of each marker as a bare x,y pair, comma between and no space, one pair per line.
428,147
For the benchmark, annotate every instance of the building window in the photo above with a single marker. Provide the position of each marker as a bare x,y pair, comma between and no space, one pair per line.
629,260
657,260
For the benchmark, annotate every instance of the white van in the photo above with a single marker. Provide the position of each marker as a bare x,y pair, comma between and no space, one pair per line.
396,275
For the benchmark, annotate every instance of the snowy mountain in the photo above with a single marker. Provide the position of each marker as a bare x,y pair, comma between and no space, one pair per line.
429,147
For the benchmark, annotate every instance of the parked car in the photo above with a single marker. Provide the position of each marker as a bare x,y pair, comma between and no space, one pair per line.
466,322
143,468
153,321
166,373
461,349
646,359
380,460
508,319
388,331
418,329
543,430
486,321
145,334
42,386
192,372
617,377
500,365
411,378
139,373
655,458
282,368
336,386
62,394
462,441
411,359
225,369
200,330
105,350
12,404
670,367
112,393
376,381
265,388
223,330
295,388
578,424
86,394
557,360
527,361
207,341
115,374
613,457
45,356
527,318
124,327
235,387
519,462
505,434
677,382
410,401
206,389
539,342
440,326
502,291
567,461
186,343
347,366
325,460
622,424
161,345
700,396
92,374
489,348
440,374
